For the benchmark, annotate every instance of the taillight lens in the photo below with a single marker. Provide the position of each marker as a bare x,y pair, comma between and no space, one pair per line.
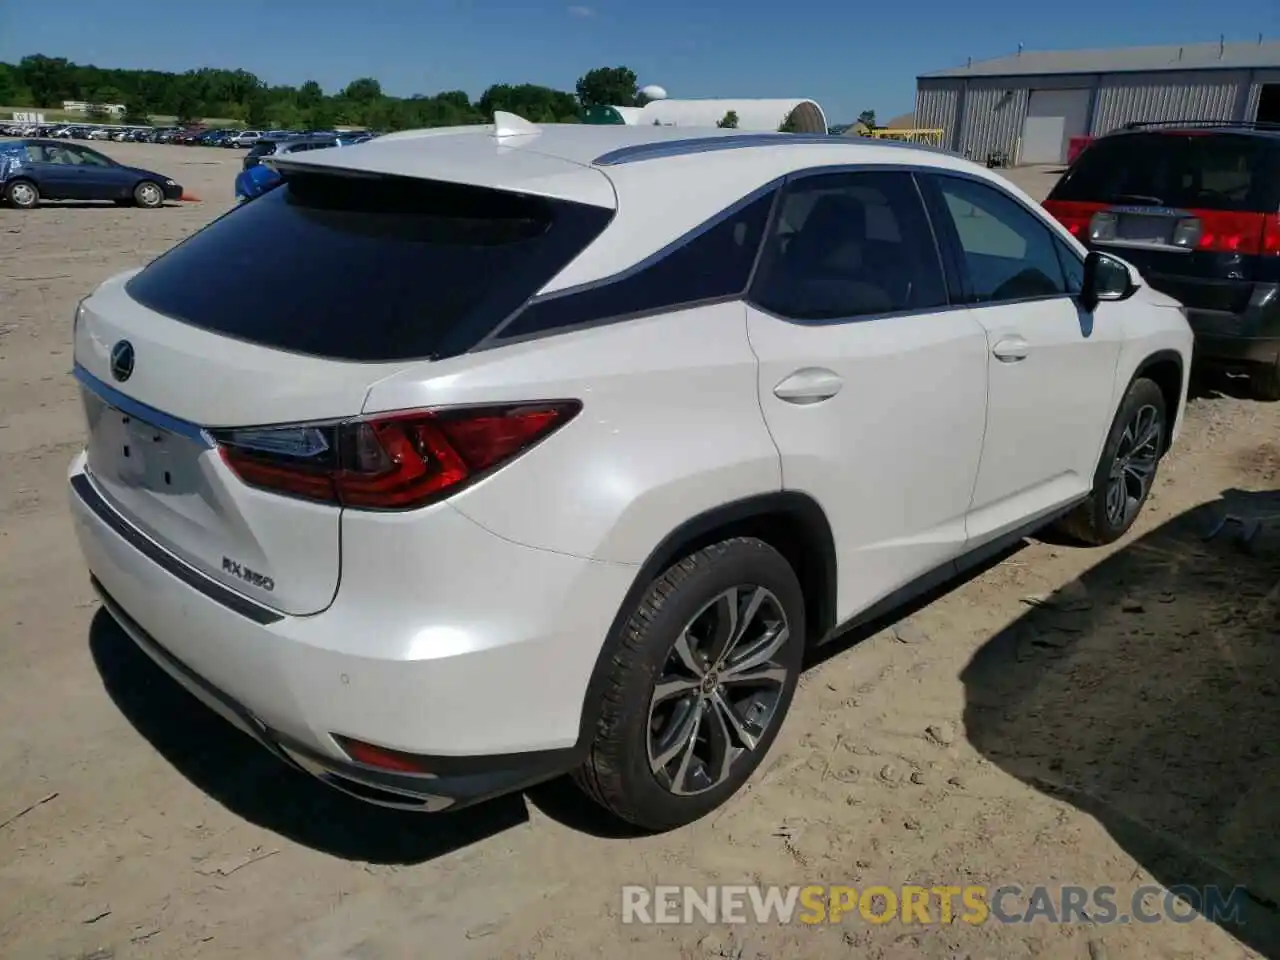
391,462
1224,231
1271,235
1075,216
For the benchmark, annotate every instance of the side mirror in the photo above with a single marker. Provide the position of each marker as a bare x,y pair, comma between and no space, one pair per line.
1105,278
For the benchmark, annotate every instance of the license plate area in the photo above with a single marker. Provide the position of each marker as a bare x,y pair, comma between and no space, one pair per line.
1144,228
138,455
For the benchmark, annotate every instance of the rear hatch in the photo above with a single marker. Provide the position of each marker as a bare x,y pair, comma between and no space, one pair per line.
285,312
1194,210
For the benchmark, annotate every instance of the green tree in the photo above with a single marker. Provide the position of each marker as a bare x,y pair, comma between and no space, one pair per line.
309,94
789,124
729,121
255,114
135,112
607,87
363,90
321,116
868,119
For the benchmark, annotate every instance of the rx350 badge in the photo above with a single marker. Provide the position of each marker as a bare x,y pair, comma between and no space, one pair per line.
251,577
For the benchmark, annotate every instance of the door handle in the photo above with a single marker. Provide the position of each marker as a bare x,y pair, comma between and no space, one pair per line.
810,385
1011,350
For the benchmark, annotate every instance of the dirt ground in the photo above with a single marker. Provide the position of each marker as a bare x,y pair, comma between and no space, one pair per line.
1120,732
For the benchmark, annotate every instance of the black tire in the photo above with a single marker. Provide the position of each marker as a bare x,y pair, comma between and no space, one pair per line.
1264,383
149,195
22,194
1091,522
617,773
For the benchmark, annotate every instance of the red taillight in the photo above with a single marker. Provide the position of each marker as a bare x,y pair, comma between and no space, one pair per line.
1271,235
1225,231
392,462
1073,215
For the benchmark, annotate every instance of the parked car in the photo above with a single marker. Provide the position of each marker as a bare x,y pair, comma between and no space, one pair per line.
245,138
495,491
279,146
254,181
100,133
1194,207
215,138
32,170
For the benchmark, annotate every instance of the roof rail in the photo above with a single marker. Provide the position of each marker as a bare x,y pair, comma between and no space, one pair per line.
660,149
1210,124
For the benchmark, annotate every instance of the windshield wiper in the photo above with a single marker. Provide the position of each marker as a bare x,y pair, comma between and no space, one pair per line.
1138,198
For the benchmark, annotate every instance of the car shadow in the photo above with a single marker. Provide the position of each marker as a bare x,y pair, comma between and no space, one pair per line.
1215,382
251,783
1147,694
96,205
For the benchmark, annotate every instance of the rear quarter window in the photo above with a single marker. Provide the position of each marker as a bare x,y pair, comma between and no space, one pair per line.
367,268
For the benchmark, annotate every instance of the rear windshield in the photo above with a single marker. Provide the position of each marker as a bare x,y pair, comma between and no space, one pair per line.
262,148
367,268
1202,171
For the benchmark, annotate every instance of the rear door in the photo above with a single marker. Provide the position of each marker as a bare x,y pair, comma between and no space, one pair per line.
1188,208
873,387
56,179
285,312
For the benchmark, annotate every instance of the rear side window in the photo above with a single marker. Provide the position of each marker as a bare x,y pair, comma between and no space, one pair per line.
367,268
1196,171
713,263
850,245
263,148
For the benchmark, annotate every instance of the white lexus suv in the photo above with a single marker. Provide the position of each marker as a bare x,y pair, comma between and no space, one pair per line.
528,450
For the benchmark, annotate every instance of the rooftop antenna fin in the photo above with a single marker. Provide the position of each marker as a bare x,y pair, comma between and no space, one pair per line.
512,125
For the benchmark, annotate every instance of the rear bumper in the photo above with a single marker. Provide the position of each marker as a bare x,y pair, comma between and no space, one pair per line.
489,701
488,777
1231,351
1251,336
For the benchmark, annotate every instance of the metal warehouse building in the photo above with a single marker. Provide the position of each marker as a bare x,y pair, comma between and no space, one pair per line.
1029,105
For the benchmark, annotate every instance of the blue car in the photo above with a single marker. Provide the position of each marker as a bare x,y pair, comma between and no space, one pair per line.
255,181
257,178
35,170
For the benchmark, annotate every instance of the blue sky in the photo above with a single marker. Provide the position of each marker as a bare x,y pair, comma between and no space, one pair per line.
848,56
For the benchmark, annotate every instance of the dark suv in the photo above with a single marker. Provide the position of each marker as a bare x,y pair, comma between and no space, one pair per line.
1196,208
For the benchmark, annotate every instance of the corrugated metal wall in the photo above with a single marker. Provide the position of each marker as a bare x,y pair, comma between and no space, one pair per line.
993,115
983,115
936,102
1255,90
1169,96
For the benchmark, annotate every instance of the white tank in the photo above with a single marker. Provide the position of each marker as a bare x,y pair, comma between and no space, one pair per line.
653,92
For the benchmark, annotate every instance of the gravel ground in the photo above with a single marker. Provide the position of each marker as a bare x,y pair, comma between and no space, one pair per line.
1122,731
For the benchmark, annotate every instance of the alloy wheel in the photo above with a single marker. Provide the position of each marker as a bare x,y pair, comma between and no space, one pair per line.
718,691
1134,466
149,194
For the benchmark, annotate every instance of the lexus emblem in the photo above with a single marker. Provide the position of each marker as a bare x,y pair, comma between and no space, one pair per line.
122,360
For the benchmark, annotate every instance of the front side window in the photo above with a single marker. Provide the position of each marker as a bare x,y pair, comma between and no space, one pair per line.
1008,252
848,245
87,157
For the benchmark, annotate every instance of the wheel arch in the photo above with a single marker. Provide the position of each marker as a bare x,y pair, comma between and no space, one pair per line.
1166,369
793,523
